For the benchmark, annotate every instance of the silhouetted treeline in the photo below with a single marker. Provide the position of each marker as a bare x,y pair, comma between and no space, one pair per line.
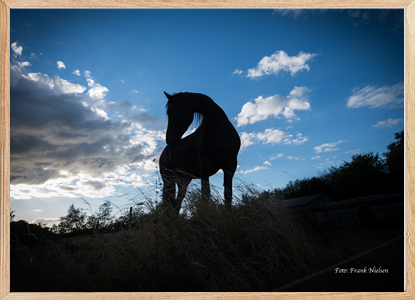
366,174
77,221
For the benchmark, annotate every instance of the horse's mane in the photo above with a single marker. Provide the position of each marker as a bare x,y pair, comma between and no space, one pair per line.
197,118
181,93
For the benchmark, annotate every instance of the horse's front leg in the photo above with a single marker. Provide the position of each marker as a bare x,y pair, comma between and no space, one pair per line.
182,185
204,177
169,187
169,193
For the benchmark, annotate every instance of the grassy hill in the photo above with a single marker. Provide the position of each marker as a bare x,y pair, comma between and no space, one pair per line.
256,247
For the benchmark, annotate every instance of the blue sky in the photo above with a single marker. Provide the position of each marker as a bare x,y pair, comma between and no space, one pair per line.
305,89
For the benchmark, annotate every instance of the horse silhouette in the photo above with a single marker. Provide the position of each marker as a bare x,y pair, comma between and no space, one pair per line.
212,146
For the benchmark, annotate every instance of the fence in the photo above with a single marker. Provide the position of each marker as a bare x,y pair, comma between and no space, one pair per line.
356,211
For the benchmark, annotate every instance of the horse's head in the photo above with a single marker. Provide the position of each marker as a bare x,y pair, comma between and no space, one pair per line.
179,119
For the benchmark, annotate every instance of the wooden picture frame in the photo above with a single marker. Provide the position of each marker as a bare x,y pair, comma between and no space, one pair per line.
5,6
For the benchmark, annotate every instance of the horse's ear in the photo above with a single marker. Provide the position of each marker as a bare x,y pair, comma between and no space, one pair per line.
167,95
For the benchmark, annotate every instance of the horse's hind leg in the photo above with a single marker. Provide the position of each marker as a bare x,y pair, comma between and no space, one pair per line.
227,184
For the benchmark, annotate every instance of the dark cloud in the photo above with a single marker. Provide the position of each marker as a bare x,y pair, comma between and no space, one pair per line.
360,17
68,188
96,185
296,12
54,130
368,16
124,105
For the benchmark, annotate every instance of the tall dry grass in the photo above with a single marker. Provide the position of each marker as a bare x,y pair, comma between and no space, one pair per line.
257,246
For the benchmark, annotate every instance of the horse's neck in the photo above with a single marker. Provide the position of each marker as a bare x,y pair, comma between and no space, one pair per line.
211,112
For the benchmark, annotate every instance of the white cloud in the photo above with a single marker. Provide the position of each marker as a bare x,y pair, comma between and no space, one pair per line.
377,97
61,65
42,79
76,72
247,139
331,149
96,91
388,123
122,81
87,74
46,221
315,157
148,139
134,91
100,112
238,72
67,87
274,106
276,156
280,61
270,136
353,151
254,169
90,81
299,140
294,158
327,162
328,147
257,168
57,84
17,49
23,64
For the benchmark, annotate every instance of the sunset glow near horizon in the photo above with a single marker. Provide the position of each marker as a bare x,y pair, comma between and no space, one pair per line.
305,89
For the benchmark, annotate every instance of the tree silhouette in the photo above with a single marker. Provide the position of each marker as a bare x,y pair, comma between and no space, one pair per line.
104,214
395,162
73,221
363,176
366,174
